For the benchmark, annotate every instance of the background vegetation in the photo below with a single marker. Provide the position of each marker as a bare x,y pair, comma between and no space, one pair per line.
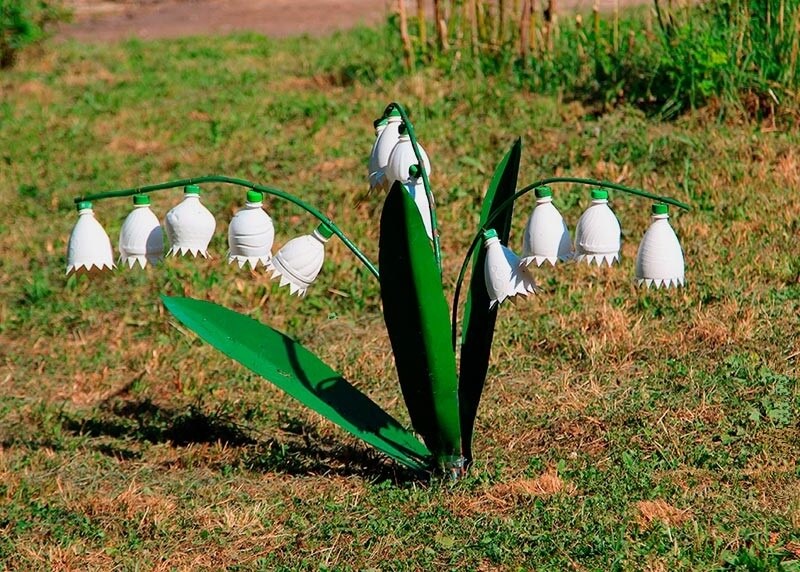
664,58
620,429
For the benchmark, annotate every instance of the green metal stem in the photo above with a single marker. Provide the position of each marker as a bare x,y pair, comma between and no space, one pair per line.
525,190
242,183
437,250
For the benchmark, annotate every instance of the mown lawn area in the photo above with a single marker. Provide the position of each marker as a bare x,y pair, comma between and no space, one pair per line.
620,428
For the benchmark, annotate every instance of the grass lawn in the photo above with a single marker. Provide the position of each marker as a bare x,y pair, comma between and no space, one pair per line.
620,429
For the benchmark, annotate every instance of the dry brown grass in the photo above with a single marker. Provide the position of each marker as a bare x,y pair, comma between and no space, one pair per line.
650,512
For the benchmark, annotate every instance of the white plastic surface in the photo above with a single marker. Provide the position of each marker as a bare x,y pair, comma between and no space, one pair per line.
546,235
250,237
141,238
89,247
659,261
401,159
597,237
299,261
190,227
504,275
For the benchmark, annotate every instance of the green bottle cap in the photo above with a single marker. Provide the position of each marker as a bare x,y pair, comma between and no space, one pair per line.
414,171
380,121
599,194
139,200
323,230
83,205
391,111
254,197
489,233
543,192
191,190
403,129
660,209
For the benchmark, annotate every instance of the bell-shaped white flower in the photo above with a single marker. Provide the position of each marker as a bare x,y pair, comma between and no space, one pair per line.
659,261
597,237
374,163
141,239
546,234
190,225
403,164
504,274
250,234
89,247
382,149
299,261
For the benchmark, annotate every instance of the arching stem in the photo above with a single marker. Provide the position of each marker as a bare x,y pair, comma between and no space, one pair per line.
242,183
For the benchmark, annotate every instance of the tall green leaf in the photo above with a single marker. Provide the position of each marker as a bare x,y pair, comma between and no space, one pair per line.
298,372
479,319
418,323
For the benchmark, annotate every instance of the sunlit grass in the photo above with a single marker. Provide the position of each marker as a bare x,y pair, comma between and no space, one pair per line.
619,428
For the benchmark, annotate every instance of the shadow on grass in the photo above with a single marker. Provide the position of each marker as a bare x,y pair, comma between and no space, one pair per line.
123,424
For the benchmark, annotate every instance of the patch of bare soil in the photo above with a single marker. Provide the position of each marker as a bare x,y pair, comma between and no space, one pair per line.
110,20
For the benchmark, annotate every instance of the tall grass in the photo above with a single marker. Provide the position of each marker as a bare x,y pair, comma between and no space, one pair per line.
666,57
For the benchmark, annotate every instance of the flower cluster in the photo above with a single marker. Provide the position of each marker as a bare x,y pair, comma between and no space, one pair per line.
189,227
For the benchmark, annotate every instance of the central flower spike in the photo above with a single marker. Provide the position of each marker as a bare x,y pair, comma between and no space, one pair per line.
659,261
141,239
299,261
597,237
250,234
89,247
504,274
546,234
190,226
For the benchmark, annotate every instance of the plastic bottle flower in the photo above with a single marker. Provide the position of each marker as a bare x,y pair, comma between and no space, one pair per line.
250,234
190,225
299,261
504,274
89,246
597,237
375,174
403,165
546,234
659,261
141,239
382,148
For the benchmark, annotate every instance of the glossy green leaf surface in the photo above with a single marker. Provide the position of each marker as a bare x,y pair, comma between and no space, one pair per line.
298,372
418,322
479,319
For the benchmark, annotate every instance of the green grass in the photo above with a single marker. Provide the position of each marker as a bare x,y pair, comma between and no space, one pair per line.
620,429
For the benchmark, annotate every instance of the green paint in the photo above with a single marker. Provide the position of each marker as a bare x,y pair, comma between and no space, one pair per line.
298,372
479,319
416,315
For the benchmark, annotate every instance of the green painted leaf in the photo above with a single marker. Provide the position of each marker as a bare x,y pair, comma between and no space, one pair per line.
418,322
298,372
479,319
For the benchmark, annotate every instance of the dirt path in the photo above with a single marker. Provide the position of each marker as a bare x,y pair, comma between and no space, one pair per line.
109,20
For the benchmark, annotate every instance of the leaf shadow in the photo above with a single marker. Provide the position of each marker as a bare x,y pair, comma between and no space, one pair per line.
119,426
